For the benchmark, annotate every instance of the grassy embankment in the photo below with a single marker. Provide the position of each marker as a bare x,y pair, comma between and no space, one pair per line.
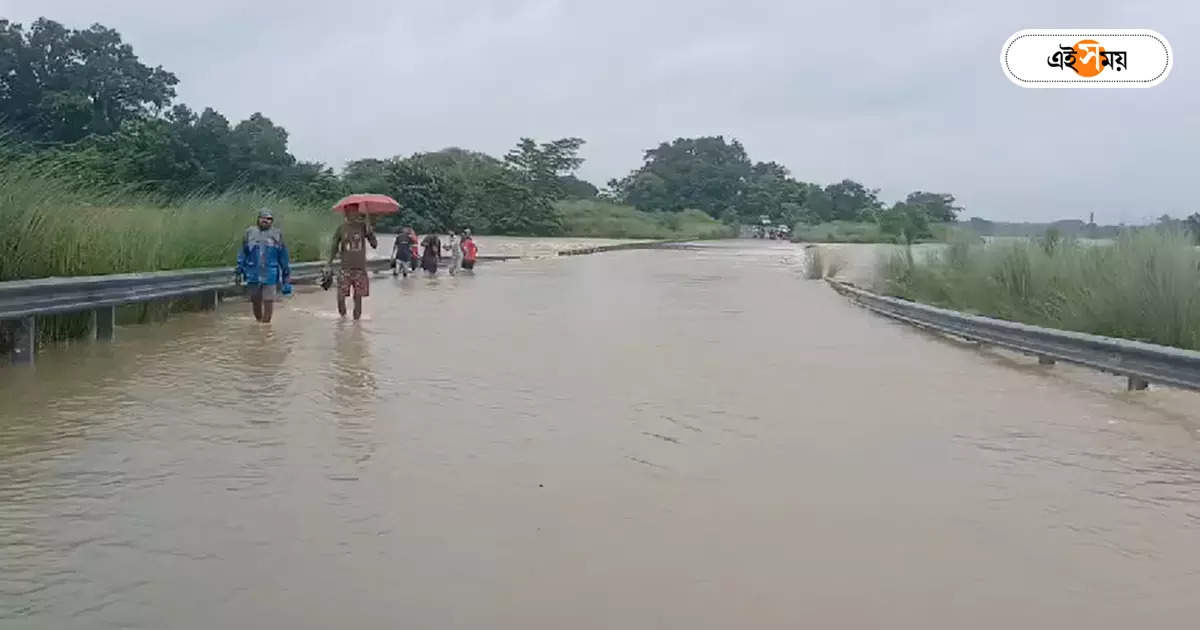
607,220
52,224
1144,286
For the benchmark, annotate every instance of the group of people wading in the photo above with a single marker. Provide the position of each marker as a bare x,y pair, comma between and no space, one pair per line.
263,263
408,252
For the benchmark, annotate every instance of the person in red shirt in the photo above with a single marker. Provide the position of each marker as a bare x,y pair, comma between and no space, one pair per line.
469,250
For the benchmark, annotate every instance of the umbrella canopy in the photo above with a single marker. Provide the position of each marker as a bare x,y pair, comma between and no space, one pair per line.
369,204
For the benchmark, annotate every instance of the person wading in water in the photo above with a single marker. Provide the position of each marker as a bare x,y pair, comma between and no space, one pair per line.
432,246
263,265
350,242
469,250
403,259
456,254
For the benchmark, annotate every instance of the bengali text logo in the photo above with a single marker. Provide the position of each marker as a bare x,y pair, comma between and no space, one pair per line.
1088,58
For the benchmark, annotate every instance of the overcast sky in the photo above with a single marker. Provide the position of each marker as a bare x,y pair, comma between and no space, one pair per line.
897,98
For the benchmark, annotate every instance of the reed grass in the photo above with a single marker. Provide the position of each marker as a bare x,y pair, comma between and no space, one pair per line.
1144,286
55,222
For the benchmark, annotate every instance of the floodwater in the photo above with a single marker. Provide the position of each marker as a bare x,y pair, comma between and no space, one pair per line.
685,438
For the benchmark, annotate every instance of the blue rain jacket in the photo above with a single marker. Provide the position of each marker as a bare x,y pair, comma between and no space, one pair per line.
263,258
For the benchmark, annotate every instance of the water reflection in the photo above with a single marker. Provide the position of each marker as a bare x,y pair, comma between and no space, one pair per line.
354,391
262,353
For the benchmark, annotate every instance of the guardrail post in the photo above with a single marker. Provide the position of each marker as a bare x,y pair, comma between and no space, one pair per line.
104,323
1137,384
24,336
1045,361
208,299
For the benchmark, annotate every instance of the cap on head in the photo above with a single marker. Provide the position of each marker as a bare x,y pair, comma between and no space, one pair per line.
265,213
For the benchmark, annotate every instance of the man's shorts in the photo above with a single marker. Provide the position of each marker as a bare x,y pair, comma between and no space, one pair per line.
264,292
356,278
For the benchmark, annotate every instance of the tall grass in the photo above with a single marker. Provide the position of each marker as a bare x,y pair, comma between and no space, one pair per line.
820,262
814,263
602,219
862,232
53,225
53,222
1146,285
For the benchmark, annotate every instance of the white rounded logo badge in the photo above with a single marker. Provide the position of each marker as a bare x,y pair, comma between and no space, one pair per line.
1086,58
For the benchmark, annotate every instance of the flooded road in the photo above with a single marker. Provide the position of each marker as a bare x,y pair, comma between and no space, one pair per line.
687,438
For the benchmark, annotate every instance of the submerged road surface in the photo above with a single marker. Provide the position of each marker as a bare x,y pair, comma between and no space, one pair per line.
690,438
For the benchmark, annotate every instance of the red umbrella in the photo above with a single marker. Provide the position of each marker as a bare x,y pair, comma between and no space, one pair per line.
369,204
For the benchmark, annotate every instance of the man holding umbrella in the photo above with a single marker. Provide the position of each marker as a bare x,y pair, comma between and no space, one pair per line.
350,243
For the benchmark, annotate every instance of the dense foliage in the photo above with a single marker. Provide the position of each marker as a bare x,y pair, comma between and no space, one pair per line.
718,177
82,100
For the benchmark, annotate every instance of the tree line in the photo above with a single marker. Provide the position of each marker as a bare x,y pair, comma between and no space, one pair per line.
717,176
82,98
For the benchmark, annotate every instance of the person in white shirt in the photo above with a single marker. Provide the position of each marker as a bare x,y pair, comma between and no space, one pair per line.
456,254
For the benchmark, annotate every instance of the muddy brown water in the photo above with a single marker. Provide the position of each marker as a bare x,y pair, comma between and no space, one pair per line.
684,438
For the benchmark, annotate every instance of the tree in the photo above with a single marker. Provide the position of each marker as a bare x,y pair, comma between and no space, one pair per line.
61,85
368,175
771,191
543,165
818,205
506,205
574,188
1192,224
258,152
428,200
705,173
208,136
317,184
904,221
938,206
851,201
151,153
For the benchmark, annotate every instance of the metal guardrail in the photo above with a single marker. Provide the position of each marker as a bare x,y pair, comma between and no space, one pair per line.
22,301
1142,363
55,296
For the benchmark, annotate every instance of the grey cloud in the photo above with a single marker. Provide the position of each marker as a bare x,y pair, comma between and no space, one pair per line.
897,96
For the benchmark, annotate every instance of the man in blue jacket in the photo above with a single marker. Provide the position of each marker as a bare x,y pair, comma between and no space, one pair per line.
263,264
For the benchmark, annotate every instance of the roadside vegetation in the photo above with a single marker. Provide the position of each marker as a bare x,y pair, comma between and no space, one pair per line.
1143,286
821,262
593,218
56,225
